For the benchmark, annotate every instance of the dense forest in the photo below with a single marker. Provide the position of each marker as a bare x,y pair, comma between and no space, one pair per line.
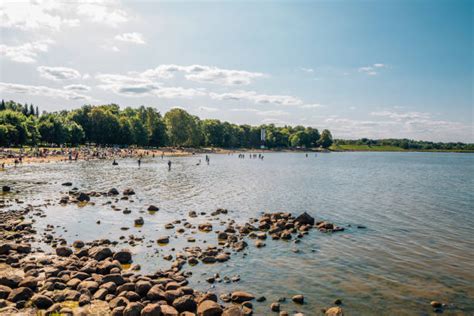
406,144
22,124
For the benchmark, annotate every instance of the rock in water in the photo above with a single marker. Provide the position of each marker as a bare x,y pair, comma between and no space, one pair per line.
241,296
153,208
305,219
209,308
334,311
82,197
6,188
63,251
299,299
128,192
123,256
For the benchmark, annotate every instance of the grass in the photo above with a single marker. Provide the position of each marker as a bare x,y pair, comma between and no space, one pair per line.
365,148
386,148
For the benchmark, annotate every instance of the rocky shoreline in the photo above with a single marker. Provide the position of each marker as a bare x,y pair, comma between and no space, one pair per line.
98,277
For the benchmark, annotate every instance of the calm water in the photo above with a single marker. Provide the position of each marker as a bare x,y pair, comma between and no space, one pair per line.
418,209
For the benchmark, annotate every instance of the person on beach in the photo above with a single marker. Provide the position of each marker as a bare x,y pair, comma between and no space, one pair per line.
169,165
139,162
115,163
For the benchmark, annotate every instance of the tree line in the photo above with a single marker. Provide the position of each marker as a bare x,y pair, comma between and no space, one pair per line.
144,126
407,144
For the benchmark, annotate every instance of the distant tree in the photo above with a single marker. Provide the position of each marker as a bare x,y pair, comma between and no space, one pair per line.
75,133
181,127
326,139
3,106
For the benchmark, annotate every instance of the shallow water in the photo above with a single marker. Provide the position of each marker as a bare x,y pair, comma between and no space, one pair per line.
418,209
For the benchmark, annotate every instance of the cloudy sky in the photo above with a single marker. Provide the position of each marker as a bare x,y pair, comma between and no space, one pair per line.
360,68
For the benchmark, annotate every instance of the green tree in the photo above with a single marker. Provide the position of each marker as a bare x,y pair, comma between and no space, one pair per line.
182,128
75,133
326,139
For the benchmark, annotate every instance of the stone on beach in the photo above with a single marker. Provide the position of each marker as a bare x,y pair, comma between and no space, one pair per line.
241,296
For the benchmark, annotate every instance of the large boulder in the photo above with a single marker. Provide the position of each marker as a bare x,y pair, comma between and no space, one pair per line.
63,251
185,303
41,301
123,256
100,253
209,308
305,219
241,296
151,310
20,294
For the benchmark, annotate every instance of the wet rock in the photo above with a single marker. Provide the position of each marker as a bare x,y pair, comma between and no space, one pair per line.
4,291
153,208
233,311
20,294
167,310
83,197
123,256
128,191
118,311
185,303
151,310
436,304
142,287
63,251
338,302
41,301
275,307
206,227
299,299
118,302
5,249
78,244
100,253
334,311
241,296
133,309
6,188
209,308
91,286
163,240
67,184
305,219
139,221
113,191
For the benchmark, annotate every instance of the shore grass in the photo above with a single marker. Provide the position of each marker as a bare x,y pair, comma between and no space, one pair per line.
389,149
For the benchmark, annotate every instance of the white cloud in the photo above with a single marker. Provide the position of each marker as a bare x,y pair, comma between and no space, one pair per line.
371,70
257,98
106,12
58,73
77,87
138,87
413,125
32,15
402,116
205,74
134,37
41,91
53,14
312,106
25,53
308,70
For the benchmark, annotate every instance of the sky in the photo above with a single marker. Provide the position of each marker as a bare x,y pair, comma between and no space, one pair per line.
376,69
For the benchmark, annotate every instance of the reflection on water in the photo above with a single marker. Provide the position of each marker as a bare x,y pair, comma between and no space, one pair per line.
418,209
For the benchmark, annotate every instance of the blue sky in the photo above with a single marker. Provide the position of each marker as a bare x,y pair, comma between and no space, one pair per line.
373,69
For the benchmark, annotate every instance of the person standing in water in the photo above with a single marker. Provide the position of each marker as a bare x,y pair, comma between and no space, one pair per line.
207,159
139,162
169,165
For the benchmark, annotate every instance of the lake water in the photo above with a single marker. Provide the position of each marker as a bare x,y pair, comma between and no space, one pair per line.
418,209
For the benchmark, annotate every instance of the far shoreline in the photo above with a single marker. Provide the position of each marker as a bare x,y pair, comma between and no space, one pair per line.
61,154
